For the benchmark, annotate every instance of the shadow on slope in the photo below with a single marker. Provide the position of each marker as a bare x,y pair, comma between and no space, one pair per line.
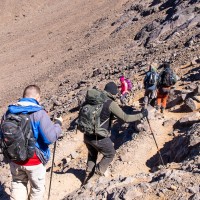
192,75
183,146
123,132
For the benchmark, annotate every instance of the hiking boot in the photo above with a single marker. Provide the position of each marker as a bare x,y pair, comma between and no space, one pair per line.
88,175
107,173
84,181
162,110
157,107
93,179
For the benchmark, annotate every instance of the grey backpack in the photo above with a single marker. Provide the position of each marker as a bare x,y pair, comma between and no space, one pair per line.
167,78
89,114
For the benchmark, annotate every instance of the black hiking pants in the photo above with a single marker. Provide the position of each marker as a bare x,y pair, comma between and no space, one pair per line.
149,95
95,146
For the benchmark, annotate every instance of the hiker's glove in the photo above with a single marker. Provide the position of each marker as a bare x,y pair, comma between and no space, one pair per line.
144,112
61,136
59,120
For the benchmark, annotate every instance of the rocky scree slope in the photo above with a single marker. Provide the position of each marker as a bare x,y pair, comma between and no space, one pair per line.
166,35
177,23
177,179
183,154
180,179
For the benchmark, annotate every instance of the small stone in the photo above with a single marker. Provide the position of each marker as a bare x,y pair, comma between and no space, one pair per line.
196,98
172,187
194,189
74,155
68,159
129,180
191,104
169,122
195,196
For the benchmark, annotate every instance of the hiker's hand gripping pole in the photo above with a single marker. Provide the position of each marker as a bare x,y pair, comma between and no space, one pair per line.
155,142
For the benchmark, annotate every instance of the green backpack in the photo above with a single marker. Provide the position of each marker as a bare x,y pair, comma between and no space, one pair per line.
89,114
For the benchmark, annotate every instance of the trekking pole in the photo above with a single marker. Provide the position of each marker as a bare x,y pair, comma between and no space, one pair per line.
155,142
54,151
76,129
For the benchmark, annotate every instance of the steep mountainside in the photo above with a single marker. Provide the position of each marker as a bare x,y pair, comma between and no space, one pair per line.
67,47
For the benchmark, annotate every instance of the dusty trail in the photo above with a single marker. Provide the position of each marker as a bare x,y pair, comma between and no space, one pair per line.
135,155
47,41
144,148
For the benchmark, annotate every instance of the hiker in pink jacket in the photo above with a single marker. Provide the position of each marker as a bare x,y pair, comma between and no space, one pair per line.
124,89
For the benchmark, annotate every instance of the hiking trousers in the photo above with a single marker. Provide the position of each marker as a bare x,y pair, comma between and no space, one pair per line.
123,98
149,95
20,177
162,97
103,146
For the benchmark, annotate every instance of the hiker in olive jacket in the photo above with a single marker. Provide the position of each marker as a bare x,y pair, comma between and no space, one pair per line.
97,143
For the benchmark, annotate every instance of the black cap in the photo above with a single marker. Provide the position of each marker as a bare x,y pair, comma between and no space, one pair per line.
111,87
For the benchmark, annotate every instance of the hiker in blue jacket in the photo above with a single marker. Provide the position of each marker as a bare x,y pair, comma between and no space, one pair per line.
150,85
45,133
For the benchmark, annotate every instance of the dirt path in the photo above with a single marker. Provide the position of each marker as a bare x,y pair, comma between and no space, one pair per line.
143,148
64,180
46,41
71,155
134,156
